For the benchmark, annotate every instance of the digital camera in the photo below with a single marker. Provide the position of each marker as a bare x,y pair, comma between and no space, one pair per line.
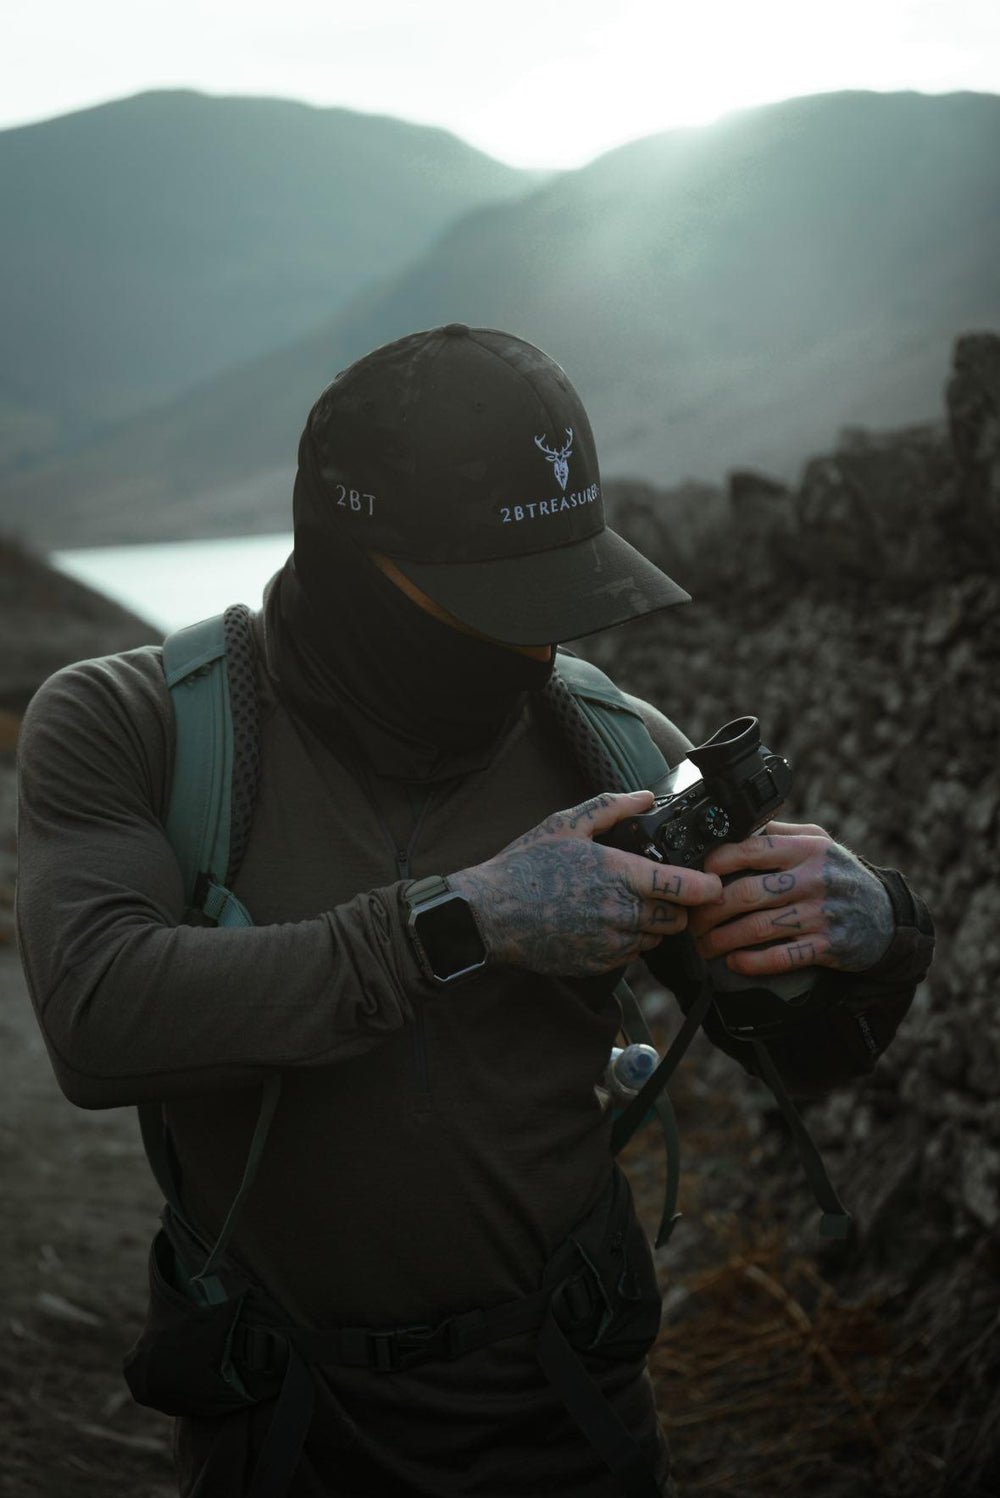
725,790
722,792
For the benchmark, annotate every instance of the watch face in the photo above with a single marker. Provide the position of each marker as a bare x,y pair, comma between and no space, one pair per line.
448,934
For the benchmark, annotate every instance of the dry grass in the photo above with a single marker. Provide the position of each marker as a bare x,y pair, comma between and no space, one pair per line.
771,1385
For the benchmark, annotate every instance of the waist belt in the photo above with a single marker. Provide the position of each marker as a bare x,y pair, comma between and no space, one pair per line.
263,1349
598,1295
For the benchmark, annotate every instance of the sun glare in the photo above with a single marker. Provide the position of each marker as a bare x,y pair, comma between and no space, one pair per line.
536,85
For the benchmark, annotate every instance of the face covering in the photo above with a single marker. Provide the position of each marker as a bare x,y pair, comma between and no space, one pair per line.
378,678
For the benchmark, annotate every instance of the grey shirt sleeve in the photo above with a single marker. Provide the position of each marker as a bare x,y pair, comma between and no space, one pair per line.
134,1005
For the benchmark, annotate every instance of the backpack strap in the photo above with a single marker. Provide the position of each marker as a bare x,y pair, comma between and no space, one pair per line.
199,822
634,758
208,668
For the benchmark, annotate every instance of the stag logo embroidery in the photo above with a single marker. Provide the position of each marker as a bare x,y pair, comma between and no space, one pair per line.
560,459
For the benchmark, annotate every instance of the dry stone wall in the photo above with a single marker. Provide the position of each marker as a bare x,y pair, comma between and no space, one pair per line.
858,616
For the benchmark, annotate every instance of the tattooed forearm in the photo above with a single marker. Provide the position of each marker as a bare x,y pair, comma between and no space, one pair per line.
857,909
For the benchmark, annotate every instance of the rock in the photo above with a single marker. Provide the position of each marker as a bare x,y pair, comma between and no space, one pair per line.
981,1181
758,499
973,396
944,617
977,940
65,1310
982,810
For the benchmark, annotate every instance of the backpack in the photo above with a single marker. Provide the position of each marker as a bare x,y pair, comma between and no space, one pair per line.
210,1330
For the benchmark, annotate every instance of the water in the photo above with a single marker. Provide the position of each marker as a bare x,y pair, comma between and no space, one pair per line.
172,583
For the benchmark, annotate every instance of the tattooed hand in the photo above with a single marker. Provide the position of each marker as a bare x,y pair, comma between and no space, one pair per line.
807,902
556,902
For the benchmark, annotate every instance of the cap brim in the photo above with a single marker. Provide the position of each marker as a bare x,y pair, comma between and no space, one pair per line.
549,596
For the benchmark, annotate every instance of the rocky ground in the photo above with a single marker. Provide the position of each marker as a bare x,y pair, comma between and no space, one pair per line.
858,617
78,1202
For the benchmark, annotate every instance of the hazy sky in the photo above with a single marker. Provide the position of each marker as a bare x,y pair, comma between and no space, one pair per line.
535,83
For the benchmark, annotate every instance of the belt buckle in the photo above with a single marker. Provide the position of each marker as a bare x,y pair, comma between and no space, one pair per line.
406,1346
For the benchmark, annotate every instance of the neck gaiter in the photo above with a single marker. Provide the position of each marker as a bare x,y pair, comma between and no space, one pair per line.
376,676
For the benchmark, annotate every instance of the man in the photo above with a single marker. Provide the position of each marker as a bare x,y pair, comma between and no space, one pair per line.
438,1148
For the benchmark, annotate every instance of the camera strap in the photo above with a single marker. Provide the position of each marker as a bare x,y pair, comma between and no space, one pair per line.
836,1221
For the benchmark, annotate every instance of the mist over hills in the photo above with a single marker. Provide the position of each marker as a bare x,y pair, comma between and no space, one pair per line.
723,296
149,243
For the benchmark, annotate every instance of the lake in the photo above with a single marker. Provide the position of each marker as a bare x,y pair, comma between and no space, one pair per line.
172,583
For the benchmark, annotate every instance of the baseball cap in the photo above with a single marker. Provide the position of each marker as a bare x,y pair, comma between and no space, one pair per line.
465,456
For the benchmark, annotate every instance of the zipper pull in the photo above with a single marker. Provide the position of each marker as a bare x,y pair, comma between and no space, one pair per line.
403,862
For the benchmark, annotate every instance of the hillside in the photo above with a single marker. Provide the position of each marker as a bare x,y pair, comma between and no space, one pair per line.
149,243
48,620
734,294
725,296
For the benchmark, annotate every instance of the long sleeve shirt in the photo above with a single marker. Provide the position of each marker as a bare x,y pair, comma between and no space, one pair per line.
432,1147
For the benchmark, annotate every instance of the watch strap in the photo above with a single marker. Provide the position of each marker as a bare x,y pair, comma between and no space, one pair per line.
431,887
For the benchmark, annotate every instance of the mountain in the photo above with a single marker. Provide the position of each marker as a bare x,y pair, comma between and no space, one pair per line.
724,295
149,243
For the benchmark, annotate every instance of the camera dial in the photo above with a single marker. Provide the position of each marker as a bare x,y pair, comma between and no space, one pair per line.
714,822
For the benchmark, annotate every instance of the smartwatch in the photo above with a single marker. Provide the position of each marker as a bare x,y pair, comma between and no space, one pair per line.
443,929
